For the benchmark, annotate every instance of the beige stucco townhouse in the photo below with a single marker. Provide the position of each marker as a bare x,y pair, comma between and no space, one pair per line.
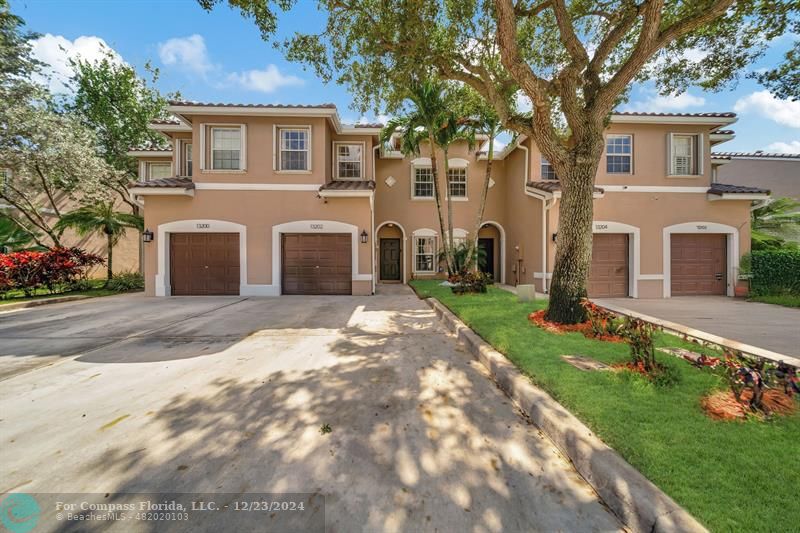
273,199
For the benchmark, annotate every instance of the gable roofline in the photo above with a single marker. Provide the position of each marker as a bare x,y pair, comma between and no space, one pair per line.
757,155
712,119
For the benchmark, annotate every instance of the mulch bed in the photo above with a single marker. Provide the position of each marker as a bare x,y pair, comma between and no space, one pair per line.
585,328
722,405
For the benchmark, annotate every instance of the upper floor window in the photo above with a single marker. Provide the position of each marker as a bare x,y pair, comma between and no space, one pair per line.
548,172
423,182
619,154
685,155
226,148
424,254
457,182
294,149
349,161
187,158
157,170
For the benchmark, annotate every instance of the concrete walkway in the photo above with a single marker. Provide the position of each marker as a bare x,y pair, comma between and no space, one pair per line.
771,327
130,394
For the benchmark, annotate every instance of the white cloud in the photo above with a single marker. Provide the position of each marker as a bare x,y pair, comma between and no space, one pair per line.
56,51
763,103
660,103
187,53
266,81
791,147
522,102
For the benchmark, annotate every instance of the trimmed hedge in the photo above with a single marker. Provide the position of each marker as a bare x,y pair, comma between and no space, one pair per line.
775,272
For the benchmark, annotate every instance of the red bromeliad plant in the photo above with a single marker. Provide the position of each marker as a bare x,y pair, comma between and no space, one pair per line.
601,319
52,269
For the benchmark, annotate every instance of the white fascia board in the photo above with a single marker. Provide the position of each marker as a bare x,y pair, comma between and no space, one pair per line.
161,191
164,128
765,158
649,119
149,153
361,131
540,194
720,161
346,194
736,196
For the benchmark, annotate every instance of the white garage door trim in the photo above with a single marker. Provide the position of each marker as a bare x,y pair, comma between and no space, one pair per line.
634,246
732,242
162,281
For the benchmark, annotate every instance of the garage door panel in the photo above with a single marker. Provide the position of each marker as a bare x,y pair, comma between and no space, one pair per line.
608,273
698,264
204,264
317,264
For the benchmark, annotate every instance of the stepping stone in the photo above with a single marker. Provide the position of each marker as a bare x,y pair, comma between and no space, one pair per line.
585,363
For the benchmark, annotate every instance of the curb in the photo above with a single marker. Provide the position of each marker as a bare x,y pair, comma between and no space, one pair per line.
632,497
43,301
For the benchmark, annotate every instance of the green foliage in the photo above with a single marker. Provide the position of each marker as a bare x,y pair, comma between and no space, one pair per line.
126,282
12,237
776,224
470,282
774,272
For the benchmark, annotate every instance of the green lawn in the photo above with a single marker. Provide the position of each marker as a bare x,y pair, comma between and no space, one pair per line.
17,296
786,300
732,476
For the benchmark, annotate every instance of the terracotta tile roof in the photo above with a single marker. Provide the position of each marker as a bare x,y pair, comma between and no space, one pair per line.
721,157
347,185
268,106
757,153
367,125
151,147
167,183
725,188
653,114
723,132
170,121
553,186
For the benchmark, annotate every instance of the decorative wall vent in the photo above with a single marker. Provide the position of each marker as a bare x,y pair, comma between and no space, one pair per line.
390,181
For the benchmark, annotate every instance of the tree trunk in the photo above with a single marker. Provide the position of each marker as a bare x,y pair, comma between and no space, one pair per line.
451,257
574,240
110,253
473,242
437,196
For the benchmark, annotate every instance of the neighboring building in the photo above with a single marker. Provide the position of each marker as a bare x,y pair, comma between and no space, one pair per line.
271,199
780,173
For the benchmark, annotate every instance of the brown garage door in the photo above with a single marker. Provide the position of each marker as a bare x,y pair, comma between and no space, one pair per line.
608,274
204,263
698,264
319,263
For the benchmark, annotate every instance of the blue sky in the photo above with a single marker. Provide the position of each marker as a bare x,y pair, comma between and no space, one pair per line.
219,56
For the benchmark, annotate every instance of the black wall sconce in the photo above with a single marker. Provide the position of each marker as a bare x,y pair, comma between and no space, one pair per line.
147,236
364,236
555,236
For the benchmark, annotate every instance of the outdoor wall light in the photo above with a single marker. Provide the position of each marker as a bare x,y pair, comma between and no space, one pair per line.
147,236
364,236
555,236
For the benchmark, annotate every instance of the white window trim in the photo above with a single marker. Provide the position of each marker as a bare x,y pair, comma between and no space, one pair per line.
149,164
424,233
542,159
276,153
699,148
630,156
336,160
242,148
414,166
464,198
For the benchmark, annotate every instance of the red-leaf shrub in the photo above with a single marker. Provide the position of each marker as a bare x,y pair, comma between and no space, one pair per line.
52,269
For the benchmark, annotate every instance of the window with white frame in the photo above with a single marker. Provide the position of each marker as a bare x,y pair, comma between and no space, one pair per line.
158,170
684,157
457,182
226,148
425,254
187,159
293,149
423,182
349,161
548,172
619,154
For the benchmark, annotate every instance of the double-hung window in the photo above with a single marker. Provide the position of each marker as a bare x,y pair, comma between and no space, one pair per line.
187,161
157,171
349,161
457,182
423,182
294,149
424,254
226,148
685,160
548,172
619,154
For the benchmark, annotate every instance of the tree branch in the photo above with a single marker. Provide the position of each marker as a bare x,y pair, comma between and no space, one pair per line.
566,33
521,11
47,190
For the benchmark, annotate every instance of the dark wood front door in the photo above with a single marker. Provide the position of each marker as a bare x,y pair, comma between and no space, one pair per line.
608,273
698,264
316,263
487,245
204,263
390,260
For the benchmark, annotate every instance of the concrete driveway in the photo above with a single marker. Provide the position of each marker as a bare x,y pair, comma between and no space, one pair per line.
767,326
227,395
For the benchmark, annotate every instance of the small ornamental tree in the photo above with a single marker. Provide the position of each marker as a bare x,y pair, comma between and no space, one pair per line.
572,61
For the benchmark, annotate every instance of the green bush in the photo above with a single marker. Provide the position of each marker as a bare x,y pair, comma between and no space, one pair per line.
774,272
126,281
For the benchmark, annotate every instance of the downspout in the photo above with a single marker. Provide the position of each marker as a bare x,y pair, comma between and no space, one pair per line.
547,204
374,244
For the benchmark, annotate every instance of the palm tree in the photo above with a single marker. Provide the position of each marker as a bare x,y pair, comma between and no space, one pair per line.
103,219
14,237
775,224
430,113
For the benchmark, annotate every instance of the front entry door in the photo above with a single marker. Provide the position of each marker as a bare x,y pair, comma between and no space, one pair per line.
487,245
390,259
